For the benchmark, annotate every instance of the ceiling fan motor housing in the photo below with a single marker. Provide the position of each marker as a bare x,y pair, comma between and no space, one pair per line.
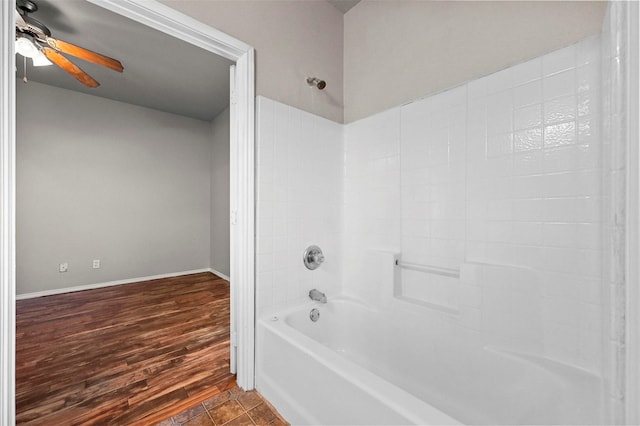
37,25
27,6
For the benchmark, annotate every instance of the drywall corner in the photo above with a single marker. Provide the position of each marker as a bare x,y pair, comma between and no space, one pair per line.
220,237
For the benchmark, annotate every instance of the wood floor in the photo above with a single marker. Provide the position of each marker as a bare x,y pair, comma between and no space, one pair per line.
128,354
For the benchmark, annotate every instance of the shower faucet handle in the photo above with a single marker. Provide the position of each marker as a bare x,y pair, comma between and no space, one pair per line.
313,257
317,257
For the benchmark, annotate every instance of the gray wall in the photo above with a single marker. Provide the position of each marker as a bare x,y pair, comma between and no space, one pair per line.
293,39
382,54
100,179
220,250
398,51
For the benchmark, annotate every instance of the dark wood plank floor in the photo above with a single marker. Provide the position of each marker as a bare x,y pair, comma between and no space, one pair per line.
128,354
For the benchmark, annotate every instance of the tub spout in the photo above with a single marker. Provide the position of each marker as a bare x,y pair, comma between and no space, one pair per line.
317,296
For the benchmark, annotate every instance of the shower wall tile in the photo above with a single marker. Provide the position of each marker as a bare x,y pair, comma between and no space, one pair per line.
505,171
372,213
500,177
558,61
432,188
551,198
298,203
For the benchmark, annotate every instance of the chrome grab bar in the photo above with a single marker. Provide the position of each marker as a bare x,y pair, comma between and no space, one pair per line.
430,269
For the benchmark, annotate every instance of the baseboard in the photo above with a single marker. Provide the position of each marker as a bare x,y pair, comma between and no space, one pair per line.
220,274
112,283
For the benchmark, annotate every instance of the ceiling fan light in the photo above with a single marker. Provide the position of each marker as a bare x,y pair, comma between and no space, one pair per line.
26,48
39,60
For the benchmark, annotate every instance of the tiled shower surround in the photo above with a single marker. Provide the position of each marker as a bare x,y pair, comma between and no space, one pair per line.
299,203
499,180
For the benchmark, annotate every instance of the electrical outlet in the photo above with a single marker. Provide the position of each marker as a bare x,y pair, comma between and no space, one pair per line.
96,263
64,267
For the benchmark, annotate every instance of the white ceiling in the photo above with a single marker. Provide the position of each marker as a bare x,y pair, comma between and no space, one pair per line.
160,71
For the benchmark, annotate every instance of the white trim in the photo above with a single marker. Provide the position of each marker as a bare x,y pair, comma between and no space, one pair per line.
73,289
163,18
178,25
219,274
632,361
243,220
233,220
7,213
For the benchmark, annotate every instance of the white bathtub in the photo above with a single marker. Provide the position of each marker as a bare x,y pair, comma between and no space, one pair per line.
356,365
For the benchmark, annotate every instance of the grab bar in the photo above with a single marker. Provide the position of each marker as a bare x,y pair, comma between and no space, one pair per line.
430,269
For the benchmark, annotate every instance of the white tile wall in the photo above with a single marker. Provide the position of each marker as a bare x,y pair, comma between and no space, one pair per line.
505,170
299,203
538,203
500,177
371,195
432,191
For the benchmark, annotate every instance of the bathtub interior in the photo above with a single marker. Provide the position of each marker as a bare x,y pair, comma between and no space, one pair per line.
453,370
311,384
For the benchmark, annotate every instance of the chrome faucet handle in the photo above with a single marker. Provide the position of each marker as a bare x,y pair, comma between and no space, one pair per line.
313,257
318,257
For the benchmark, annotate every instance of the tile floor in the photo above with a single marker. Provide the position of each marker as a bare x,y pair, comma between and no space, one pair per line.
233,407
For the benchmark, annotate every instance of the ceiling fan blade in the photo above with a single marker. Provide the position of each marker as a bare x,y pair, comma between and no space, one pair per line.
87,55
69,67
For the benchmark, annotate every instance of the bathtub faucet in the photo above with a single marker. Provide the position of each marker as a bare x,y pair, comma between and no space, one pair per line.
317,296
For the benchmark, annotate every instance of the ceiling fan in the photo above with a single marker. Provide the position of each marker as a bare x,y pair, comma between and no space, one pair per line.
33,40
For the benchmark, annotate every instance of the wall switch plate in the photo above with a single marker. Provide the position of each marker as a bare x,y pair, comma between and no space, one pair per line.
64,267
96,263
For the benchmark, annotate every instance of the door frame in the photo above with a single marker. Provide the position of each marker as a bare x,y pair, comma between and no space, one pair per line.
242,186
632,225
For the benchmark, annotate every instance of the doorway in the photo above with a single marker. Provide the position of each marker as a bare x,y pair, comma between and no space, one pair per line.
242,211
